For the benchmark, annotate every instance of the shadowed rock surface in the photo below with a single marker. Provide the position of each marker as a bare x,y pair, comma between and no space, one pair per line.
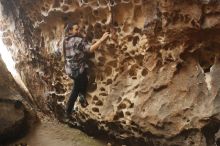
154,82
14,117
13,121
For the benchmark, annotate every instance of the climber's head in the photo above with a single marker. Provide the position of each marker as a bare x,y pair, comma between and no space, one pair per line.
72,29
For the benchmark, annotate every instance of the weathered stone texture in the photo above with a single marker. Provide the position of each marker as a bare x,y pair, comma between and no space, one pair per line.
14,116
155,79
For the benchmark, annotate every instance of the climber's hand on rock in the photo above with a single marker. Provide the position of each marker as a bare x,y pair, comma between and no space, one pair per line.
99,42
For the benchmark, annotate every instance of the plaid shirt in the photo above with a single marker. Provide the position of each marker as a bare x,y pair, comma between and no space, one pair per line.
75,50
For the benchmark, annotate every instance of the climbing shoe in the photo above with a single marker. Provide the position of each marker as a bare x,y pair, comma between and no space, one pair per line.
83,101
66,117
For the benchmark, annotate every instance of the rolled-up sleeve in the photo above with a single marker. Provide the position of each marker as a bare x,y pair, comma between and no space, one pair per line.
87,46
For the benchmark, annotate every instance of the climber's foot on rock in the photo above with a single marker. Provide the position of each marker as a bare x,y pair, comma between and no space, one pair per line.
83,101
74,124
68,117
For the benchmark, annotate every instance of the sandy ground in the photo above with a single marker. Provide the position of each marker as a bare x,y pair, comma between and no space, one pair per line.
52,133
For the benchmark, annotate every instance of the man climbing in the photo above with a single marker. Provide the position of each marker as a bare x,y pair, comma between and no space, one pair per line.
75,49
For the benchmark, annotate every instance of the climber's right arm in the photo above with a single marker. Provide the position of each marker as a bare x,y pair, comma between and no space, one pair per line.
99,42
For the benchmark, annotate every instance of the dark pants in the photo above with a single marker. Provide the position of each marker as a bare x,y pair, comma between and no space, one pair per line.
79,86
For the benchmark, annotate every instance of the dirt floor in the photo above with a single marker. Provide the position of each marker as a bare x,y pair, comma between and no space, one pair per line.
52,133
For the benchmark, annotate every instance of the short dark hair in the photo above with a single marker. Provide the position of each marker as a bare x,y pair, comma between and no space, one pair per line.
69,26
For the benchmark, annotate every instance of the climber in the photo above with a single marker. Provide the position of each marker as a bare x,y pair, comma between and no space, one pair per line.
75,48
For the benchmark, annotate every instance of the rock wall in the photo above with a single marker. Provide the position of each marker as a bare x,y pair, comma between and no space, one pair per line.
16,115
154,82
